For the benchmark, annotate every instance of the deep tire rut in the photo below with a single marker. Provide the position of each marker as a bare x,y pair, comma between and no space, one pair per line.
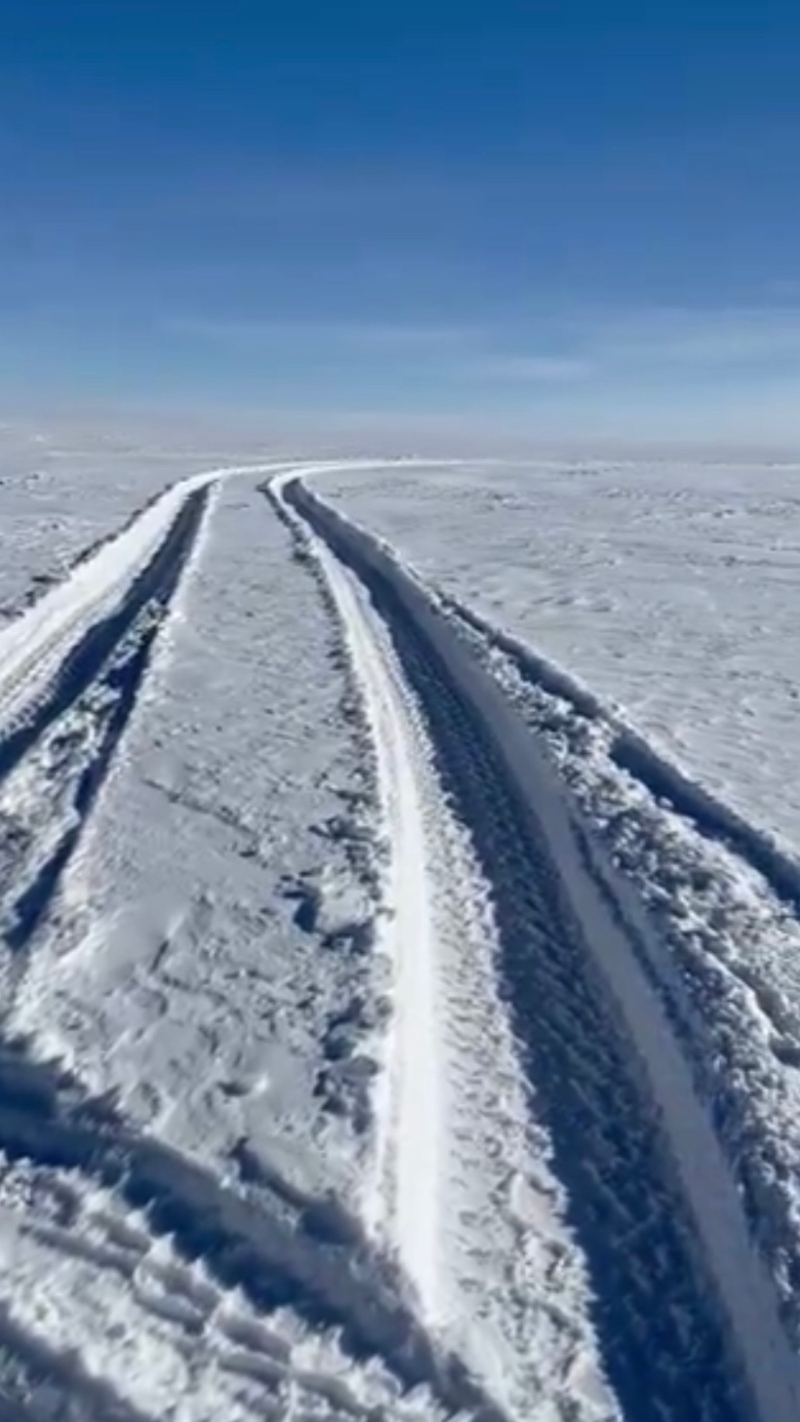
664,1340
75,727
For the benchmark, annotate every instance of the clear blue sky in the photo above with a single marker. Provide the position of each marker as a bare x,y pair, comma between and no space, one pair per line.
576,217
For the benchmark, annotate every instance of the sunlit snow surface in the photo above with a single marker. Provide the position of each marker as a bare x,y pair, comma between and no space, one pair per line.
66,487
669,589
314,1100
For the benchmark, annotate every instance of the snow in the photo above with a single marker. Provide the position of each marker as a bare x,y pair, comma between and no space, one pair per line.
401,1015
64,490
198,980
668,589
244,772
457,1158
555,869
706,840
411,1072
718,944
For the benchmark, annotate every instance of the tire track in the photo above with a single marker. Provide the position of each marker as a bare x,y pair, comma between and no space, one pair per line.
458,1168
719,946
155,584
662,1344
57,754
650,1199
711,817
264,1250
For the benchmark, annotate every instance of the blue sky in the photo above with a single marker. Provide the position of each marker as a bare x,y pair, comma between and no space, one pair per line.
573,219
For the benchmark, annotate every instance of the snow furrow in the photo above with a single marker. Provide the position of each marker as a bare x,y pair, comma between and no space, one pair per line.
651,1200
54,760
49,660
460,1187
717,943
712,818
34,643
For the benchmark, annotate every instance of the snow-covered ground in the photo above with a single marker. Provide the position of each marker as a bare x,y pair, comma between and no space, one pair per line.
669,589
393,1024
64,488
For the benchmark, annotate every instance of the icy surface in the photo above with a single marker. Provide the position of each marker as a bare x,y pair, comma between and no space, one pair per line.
668,589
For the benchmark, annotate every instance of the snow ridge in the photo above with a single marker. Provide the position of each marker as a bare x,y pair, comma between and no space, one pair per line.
631,752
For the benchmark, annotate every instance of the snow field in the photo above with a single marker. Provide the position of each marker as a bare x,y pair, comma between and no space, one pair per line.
667,588
389,1027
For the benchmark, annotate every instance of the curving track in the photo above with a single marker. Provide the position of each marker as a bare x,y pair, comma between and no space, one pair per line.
132,1271
686,1319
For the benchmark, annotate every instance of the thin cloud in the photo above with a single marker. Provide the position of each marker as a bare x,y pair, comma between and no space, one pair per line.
269,332
533,369
699,338
655,343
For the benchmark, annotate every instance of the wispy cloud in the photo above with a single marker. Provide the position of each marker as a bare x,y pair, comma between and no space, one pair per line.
269,333
531,369
686,337
578,356
649,345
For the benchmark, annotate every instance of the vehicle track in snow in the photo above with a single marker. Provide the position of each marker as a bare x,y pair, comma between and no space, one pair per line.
242,1295
71,668
456,1204
55,754
138,1283
682,1308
